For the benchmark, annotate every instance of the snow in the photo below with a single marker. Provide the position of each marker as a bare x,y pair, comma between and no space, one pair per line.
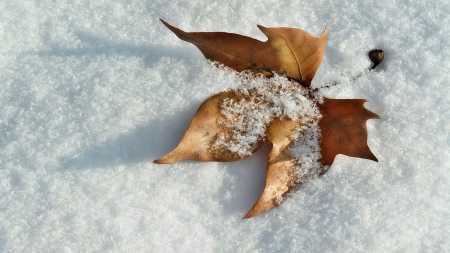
92,92
255,103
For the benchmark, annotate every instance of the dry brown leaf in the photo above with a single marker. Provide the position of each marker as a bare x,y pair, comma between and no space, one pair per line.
288,51
343,129
291,52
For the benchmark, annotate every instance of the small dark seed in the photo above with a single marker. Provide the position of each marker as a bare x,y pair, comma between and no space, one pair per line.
376,56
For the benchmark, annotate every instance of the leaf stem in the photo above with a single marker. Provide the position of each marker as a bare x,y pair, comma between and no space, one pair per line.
375,55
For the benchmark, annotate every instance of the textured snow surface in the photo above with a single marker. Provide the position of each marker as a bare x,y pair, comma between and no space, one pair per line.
91,92
256,102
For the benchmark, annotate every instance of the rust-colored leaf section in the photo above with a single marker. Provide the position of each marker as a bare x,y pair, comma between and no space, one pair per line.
289,51
343,129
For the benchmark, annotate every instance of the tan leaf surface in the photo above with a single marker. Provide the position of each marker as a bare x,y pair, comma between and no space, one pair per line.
281,175
200,140
288,51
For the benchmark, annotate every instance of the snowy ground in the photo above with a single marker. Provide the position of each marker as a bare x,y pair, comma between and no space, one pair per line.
91,92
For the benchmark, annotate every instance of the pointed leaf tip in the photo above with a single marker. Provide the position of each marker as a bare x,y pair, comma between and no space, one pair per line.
160,161
164,22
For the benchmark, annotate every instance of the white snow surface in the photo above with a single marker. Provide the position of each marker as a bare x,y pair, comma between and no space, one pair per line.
91,92
256,103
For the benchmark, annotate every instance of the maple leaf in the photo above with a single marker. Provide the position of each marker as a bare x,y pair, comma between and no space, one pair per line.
233,125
